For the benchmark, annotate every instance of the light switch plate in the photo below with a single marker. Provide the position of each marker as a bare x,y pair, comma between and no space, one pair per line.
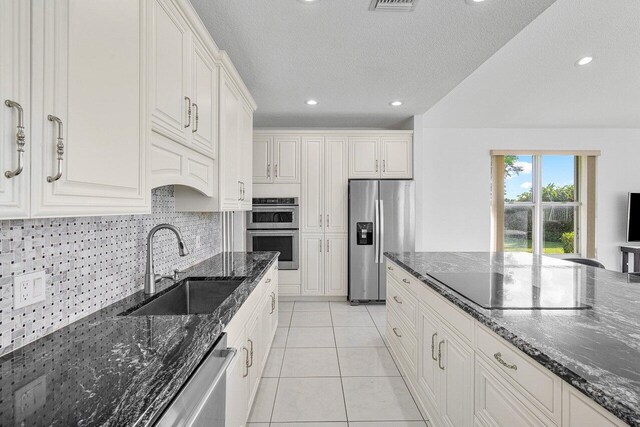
29,289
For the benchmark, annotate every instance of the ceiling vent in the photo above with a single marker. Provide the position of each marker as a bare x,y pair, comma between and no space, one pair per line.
393,5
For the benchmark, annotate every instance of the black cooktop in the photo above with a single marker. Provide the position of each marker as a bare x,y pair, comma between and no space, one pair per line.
509,292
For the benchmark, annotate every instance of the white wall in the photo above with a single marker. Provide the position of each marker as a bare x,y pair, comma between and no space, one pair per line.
453,182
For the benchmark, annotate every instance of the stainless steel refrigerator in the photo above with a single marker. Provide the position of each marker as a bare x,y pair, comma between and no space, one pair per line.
381,219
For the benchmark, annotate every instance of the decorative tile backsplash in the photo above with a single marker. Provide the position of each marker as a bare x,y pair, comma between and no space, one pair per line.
91,262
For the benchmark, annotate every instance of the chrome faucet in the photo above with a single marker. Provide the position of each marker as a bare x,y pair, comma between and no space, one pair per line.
150,277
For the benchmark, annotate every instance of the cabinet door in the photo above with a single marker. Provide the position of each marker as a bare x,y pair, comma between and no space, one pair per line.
456,386
580,411
428,371
245,155
204,119
169,45
228,161
14,86
97,98
237,398
336,180
397,157
312,200
335,276
262,168
286,158
312,264
254,334
364,159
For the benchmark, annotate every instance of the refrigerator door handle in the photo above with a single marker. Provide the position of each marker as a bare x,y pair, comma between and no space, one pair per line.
381,234
376,233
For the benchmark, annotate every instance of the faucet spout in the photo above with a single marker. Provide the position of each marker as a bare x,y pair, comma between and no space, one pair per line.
150,277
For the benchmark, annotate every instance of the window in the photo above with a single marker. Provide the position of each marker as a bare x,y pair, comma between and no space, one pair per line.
544,203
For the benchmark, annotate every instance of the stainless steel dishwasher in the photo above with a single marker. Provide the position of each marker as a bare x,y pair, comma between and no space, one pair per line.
202,400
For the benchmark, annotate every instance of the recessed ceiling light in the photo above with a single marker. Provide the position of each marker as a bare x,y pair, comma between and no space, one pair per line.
311,102
474,1
584,61
307,1
395,103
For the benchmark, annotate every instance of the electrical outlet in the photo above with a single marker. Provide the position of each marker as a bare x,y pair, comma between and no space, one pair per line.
28,398
29,289
197,242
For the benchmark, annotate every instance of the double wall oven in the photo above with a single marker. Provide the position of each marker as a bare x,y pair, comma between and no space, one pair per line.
273,225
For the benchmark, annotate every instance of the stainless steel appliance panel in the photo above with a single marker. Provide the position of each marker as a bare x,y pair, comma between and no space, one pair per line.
202,400
363,252
287,242
397,213
273,217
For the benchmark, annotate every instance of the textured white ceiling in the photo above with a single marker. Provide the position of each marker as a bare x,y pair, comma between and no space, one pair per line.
354,61
533,82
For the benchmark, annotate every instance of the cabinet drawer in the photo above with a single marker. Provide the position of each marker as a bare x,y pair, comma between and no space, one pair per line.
403,340
580,411
542,388
393,269
457,319
402,302
497,403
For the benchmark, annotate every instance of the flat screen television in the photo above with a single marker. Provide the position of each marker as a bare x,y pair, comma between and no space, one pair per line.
633,218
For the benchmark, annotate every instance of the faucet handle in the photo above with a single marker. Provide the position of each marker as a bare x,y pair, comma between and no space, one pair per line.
176,272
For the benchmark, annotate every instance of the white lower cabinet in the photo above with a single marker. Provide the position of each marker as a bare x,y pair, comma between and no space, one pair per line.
467,375
445,372
324,264
251,333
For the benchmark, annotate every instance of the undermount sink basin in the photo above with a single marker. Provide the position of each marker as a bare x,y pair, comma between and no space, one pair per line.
192,296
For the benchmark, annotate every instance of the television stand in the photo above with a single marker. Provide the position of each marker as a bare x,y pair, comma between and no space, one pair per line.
626,250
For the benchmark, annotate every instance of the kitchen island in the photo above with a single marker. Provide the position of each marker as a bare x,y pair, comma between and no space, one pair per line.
565,351
116,370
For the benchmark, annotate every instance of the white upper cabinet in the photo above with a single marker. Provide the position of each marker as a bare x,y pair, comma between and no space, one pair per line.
88,137
204,115
15,143
230,161
286,159
336,184
169,47
397,158
384,156
262,149
246,154
312,194
364,155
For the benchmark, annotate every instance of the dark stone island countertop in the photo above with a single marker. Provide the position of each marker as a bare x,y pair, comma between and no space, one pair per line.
113,370
597,350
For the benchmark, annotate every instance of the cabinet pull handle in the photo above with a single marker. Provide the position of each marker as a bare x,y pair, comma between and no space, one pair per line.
390,268
273,302
19,139
406,281
320,216
327,245
246,362
268,281
195,107
320,241
276,170
251,352
440,355
268,171
384,165
395,298
395,331
59,148
376,165
327,220
242,192
433,345
498,357
186,98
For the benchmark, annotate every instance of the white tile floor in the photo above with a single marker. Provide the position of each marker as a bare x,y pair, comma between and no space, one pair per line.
329,367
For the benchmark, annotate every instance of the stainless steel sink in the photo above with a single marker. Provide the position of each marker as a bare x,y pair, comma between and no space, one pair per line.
190,297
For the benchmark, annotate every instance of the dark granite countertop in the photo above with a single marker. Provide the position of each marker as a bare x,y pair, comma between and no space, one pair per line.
115,370
596,350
